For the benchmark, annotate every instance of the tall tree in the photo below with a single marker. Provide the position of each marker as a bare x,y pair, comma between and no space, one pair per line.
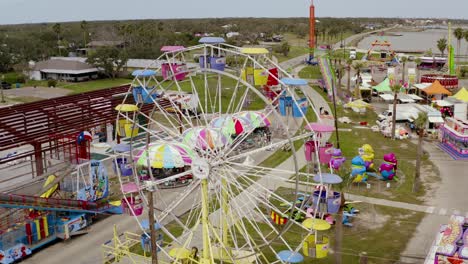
466,39
57,27
403,65
110,59
418,62
459,34
420,124
6,60
84,29
395,89
442,45
357,66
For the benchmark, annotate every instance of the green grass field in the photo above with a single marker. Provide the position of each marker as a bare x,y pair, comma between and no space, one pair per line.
294,52
310,72
381,231
404,150
81,87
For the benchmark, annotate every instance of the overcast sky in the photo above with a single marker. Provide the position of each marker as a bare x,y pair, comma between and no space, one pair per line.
33,11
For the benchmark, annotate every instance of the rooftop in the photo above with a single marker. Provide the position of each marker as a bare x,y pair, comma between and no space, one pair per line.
64,65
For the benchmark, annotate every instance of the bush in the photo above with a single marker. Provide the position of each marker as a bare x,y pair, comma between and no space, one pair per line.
51,83
20,78
463,72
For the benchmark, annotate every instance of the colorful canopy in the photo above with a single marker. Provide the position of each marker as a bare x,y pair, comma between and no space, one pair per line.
126,108
328,178
254,51
316,224
211,40
231,125
256,119
143,73
383,86
289,256
130,187
320,127
165,155
462,95
436,88
294,81
205,137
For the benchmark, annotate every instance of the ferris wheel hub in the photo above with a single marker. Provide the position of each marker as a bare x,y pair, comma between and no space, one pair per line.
201,168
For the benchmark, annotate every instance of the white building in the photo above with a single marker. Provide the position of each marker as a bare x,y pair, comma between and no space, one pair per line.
64,69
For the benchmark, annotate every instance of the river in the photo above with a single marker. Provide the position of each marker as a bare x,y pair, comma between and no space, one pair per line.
415,41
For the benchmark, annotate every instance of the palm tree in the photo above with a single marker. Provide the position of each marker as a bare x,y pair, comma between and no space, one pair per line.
357,66
403,62
349,62
418,62
420,124
84,28
459,34
57,29
395,89
466,39
442,45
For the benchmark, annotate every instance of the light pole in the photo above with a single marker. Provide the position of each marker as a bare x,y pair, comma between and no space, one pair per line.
154,250
334,113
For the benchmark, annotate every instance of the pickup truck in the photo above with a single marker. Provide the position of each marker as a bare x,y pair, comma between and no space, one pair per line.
5,85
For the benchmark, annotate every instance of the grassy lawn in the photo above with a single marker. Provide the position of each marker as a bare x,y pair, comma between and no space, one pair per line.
81,87
380,231
404,150
294,52
310,72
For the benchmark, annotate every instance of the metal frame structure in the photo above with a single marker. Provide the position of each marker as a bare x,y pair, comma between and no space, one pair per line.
39,123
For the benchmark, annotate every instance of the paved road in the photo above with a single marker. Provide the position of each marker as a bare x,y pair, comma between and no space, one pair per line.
449,198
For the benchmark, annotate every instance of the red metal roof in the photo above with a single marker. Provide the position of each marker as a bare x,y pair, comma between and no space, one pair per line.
35,122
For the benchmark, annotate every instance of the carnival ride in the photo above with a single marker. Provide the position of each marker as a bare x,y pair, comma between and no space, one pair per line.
385,50
451,244
65,207
224,211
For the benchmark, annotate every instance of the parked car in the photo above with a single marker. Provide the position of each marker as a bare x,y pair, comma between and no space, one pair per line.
5,85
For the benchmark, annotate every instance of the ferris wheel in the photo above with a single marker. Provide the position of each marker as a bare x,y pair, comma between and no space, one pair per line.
199,135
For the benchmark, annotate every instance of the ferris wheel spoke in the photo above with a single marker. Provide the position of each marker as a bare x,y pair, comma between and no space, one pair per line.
156,134
266,148
181,198
260,171
255,188
254,225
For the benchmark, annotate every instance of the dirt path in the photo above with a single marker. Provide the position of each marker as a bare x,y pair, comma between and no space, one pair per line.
39,92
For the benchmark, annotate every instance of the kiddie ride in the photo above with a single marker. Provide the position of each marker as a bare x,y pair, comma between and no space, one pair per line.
34,221
362,166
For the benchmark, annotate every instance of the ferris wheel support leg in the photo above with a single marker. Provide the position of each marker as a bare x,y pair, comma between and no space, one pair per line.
206,256
225,206
154,249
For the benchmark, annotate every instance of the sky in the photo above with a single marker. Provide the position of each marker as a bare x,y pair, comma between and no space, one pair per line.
36,11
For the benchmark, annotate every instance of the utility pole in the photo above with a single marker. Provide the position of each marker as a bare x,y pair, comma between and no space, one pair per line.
154,247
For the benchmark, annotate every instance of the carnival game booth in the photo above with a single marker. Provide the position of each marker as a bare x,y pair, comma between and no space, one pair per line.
450,82
451,243
454,137
436,91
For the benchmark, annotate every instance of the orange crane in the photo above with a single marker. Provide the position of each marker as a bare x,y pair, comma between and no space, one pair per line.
311,33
